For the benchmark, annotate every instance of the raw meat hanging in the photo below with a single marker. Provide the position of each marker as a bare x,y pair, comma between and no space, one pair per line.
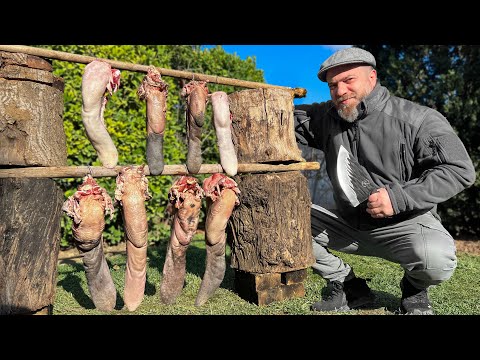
222,196
132,192
196,94
186,197
223,127
154,91
88,207
98,79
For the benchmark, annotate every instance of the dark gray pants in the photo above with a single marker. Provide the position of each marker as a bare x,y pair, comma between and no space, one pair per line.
422,246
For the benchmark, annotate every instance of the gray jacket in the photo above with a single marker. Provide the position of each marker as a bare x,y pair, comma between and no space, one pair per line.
409,149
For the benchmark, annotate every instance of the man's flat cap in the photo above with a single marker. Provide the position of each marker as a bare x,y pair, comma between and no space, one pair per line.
350,55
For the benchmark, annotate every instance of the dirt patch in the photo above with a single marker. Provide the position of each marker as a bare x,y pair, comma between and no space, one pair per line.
468,246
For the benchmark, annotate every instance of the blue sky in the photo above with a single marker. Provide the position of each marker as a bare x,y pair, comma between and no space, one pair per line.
290,65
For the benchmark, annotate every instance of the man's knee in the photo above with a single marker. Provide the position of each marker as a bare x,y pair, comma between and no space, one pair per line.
437,259
422,279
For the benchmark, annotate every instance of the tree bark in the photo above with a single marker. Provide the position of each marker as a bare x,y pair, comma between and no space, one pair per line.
30,213
270,229
263,126
269,232
31,115
31,134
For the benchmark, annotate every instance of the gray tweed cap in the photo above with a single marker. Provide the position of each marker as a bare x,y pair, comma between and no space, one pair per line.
350,55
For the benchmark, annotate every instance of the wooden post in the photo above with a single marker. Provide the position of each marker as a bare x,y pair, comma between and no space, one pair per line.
31,134
269,232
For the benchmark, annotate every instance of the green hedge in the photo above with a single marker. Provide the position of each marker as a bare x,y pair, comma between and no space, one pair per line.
126,121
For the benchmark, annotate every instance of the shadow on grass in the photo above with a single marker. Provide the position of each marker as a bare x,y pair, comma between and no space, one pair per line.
382,299
149,286
196,260
72,284
386,300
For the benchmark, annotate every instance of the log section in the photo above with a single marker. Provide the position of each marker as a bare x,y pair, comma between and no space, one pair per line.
270,229
31,134
269,232
263,126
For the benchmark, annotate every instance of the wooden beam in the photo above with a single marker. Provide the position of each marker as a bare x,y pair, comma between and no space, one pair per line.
100,171
83,59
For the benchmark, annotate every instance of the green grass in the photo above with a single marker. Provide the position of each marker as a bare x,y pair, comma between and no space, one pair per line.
458,296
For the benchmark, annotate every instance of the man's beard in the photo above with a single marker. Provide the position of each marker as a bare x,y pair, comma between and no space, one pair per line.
349,114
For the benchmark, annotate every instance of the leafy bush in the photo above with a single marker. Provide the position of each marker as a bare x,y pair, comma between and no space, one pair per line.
125,119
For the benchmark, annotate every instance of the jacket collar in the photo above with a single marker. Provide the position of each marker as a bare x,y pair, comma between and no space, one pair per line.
375,99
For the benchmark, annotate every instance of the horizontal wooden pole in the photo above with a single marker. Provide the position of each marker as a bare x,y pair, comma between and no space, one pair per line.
100,171
83,59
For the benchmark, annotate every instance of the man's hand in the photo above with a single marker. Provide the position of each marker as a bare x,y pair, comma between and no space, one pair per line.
379,205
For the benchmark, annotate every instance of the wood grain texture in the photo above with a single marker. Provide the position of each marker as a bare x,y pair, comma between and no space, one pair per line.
27,60
30,212
15,72
31,134
263,126
31,124
269,231
100,171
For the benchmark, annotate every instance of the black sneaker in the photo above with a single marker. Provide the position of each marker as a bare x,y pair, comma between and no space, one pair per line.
414,301
351,294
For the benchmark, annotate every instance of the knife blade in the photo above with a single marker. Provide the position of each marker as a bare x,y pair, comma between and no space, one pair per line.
354,180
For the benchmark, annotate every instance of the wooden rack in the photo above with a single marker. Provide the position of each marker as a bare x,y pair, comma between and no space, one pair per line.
83,59
100,171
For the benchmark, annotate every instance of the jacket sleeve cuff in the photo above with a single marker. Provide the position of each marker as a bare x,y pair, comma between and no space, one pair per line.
396,198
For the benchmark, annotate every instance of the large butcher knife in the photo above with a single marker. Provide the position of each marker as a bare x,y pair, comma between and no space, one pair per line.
354,180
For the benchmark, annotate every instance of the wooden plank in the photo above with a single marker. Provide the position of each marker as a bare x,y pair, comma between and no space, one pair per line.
15,72
27,60
263,289
100,171
294,277
258,282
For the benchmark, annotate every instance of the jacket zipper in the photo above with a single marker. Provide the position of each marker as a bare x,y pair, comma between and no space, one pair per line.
356,139
403,167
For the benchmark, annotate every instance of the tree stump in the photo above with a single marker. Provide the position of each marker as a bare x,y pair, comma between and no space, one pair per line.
31,134
263,126
31,113
269,232
30,214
